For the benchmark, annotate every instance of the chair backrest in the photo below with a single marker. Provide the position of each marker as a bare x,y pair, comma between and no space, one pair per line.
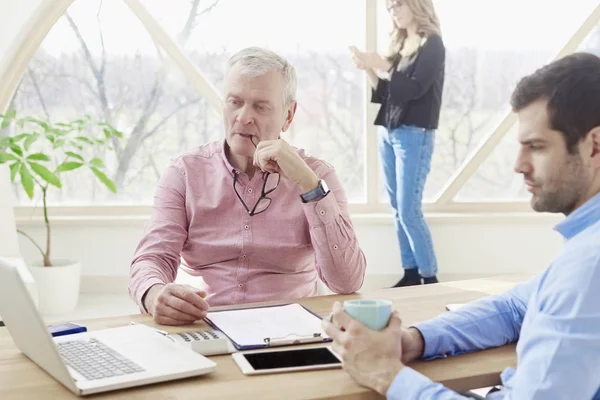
9,243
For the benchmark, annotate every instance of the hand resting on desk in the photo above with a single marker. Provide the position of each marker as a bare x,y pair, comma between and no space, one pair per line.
175,304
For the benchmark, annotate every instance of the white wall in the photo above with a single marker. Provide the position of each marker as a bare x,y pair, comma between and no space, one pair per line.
466,246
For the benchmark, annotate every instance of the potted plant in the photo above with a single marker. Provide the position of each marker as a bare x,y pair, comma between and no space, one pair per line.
39,153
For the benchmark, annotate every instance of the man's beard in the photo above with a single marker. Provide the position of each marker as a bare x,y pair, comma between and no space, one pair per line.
565,191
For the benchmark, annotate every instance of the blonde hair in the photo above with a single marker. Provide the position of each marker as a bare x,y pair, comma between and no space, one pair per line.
427,24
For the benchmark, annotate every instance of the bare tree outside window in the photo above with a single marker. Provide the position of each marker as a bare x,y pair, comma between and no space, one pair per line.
131,85
495,178
100,60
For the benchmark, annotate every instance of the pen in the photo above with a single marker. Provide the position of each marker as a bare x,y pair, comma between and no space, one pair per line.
283,341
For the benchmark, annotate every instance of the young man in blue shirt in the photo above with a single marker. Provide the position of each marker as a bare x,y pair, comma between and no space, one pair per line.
555,317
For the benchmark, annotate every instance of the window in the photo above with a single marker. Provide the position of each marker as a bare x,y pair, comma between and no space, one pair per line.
99,59
495,178
483,64
313,36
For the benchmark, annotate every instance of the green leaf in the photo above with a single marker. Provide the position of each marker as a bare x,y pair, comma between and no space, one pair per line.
16,149
38,157
7,118
45,174
30,140
50,137
104,179
42,124
117,133
84,139
74,155
58,143
4,142
22,136
26,181
62,125
97,162
68,166
109,130
14,168
4,157
21,123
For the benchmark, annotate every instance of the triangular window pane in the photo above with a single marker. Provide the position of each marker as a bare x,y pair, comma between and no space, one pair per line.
98,59
495,179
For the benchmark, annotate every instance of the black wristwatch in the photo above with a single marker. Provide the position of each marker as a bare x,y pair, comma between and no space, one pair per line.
317,193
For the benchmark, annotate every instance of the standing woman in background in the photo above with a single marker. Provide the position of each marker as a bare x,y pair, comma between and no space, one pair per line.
410,93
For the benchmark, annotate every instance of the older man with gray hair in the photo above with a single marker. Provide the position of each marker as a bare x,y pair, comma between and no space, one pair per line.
256,218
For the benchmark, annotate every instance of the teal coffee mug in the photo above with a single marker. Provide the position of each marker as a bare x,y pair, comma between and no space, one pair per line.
374,314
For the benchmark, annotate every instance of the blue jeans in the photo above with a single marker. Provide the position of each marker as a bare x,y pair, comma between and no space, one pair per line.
406,159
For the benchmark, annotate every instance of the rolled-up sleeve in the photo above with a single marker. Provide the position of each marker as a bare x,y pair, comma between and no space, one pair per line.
340,262
157,256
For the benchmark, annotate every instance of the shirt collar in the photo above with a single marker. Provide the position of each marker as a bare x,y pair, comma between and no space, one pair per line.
580,219
224,149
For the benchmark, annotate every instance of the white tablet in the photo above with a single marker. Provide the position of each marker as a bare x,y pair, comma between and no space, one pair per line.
274,361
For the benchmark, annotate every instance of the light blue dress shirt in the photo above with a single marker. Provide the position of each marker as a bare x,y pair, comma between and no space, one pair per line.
555,317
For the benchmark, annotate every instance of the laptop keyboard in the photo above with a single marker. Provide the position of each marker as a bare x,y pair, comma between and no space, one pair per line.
95,360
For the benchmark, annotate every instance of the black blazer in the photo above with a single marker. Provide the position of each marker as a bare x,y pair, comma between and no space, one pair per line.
413,95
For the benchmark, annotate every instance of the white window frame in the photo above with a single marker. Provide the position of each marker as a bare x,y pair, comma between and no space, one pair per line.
48,13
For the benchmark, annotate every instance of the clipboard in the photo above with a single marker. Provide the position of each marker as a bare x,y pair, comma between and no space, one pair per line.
268,326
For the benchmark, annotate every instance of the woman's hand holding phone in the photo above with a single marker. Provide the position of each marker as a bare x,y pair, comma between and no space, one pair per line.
357,58
369,59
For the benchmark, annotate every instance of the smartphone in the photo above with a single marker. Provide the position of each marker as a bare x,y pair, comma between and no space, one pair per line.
68,328
275,361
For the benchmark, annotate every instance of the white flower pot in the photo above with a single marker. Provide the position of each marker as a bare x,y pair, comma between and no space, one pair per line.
58,286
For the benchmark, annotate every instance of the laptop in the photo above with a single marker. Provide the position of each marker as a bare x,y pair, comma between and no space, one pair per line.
98,361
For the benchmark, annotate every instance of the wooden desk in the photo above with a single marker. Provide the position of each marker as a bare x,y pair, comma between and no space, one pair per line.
22,379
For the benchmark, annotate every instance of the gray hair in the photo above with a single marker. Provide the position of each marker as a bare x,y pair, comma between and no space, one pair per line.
256,61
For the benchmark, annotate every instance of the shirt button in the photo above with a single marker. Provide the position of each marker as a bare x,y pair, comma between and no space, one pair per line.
246,227
244,257
322,212
241,284
250,190
335,246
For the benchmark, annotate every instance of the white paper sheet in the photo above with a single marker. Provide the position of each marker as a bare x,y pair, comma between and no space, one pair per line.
281,324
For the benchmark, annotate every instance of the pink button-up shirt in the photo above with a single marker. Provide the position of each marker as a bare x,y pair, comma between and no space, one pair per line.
198,219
